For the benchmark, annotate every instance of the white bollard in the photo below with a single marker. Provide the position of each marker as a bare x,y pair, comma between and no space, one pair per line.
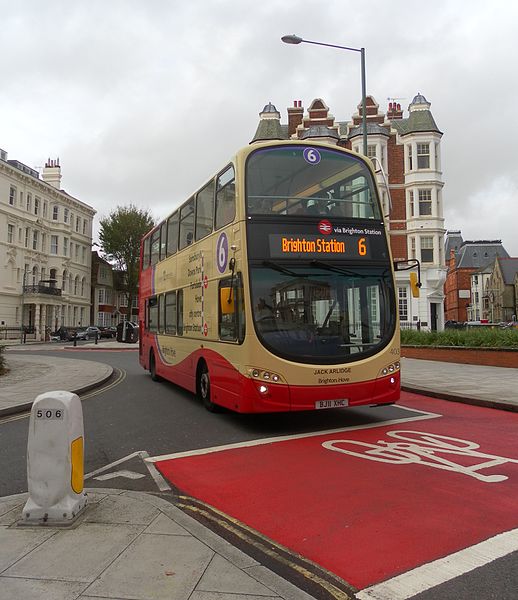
55,460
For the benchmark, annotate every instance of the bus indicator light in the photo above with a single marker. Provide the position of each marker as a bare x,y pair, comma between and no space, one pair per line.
205,329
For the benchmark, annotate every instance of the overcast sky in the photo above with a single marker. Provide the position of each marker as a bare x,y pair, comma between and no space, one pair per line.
143,101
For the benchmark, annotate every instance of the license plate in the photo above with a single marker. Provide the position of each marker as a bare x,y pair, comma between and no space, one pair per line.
331,404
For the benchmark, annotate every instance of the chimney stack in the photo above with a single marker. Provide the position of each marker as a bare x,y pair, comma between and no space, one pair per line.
52,173
295,115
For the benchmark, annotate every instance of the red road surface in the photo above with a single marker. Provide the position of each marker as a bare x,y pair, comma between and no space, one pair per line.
369,519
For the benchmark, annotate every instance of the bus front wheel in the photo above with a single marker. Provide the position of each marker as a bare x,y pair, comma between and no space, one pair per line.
203,386
152,368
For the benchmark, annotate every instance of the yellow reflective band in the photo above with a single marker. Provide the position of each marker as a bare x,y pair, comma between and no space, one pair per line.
78,471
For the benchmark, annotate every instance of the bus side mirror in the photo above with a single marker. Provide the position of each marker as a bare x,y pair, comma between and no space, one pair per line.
226,300
414,284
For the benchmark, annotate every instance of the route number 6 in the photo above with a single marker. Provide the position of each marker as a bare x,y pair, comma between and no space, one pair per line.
312,156
362,247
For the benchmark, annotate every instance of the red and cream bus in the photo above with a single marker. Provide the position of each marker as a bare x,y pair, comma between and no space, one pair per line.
272,287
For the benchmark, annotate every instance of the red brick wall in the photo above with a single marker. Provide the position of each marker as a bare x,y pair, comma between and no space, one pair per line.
475,356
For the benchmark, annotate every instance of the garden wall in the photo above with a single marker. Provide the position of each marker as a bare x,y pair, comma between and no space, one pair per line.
471,356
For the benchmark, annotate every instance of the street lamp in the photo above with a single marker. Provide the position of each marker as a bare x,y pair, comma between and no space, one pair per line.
295,39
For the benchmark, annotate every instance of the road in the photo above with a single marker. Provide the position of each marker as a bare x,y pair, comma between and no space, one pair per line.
368,494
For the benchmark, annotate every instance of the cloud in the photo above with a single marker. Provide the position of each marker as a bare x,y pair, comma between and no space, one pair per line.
142,102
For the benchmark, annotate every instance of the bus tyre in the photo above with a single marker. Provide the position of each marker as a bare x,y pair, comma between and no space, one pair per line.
203,385
152,368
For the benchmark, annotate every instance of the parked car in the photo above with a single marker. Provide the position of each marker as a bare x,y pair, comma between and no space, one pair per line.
108,332
87,333
63,334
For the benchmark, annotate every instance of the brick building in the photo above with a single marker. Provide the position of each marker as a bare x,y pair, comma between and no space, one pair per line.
467,259
406,150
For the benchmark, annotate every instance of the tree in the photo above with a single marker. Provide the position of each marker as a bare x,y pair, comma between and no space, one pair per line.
120,234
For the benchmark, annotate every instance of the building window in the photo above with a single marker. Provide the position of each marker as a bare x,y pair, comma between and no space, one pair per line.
44,210
36,206
403,303
427,249
371,150
55,213
83,255
35,240
423,156
10,233
43,242
410,164
65,215
103,296
65,246
123,300
411,202
53,244
412,247
26,237
84,226
78,223
425,202
12,196
29,203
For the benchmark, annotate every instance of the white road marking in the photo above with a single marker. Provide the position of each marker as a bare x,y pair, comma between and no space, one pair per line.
283,438
161,483
444,569
123,473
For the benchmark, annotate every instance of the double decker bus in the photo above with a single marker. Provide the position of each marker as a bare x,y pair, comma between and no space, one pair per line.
272,288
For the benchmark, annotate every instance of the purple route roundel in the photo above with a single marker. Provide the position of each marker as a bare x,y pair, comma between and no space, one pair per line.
222,252
311,156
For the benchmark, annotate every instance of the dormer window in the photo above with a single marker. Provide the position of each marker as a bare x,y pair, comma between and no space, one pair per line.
423,156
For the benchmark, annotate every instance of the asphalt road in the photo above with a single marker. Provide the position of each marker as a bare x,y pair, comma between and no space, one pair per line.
137,414
132,413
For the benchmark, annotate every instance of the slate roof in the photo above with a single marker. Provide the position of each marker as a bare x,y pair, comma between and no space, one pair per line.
473,255
509,268
419,120
372,129
453,242
269,129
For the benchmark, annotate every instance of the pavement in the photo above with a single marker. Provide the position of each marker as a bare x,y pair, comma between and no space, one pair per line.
130,545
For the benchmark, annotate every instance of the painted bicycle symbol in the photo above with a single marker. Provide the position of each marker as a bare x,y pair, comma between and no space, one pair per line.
428,449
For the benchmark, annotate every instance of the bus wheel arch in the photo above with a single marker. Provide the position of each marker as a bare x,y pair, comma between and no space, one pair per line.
203,386
152,367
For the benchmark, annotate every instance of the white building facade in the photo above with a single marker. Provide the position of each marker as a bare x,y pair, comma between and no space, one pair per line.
45,251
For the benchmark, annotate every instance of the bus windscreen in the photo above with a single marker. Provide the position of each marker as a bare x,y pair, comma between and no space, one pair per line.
306,180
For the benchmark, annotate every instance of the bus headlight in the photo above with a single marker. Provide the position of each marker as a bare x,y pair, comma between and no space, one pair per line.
264,375
389,369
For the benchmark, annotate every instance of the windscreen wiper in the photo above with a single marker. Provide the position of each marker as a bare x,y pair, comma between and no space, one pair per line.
284,270
328,267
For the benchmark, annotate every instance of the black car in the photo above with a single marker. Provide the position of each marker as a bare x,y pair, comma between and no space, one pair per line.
108,332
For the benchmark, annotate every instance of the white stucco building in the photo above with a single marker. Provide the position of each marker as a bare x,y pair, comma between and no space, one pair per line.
45,250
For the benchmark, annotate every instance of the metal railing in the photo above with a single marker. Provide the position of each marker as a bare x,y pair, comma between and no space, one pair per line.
40,288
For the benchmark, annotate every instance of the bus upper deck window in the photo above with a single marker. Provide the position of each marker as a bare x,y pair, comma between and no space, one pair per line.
186,224
225,198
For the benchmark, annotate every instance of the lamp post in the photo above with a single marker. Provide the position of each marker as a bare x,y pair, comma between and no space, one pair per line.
295,39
